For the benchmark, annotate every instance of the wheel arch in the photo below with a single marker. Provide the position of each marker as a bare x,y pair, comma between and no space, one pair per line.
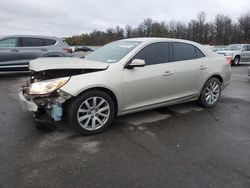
202,96
219,77
53,54
237,55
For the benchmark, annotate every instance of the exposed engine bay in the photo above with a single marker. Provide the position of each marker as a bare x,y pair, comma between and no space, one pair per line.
51,74
50,103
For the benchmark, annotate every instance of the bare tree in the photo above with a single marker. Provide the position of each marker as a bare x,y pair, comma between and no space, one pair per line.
159,29
244,26
222,31
202,33
193,30
128,31
223,25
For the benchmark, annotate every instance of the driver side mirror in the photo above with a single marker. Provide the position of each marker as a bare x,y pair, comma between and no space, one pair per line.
136,63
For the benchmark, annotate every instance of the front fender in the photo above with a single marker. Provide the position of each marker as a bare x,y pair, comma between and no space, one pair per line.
110,80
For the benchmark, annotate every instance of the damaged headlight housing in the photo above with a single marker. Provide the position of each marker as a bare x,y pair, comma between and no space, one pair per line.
47,86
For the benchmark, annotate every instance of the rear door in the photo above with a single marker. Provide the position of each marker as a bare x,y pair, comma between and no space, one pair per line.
32,48
190,70
9,52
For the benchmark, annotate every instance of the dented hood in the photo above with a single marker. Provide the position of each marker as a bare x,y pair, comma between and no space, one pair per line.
55,63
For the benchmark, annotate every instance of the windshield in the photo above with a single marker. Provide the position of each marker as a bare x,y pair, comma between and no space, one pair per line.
234,47
112,52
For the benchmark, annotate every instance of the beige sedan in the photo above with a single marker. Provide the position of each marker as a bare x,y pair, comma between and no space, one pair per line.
123,77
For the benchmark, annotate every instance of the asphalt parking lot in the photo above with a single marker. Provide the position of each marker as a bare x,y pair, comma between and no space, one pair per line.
178,146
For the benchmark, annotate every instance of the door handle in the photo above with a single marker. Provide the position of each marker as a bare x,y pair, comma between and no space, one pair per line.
202,67
167,73
44,50
14,50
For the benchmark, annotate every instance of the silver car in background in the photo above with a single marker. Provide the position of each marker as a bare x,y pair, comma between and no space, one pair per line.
17,51
236,53
123,77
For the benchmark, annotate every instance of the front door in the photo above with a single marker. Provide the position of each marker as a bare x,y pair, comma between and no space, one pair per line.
245,53
152,84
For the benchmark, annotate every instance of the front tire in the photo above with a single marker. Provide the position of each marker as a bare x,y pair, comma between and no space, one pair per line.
92,112
236,61
210,93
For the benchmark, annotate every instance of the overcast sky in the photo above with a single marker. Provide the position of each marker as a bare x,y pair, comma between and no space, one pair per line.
73,17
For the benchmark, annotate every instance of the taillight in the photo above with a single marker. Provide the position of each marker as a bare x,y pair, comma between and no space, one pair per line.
229,60
68,50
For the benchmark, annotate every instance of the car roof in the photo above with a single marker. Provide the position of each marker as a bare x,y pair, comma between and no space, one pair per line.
156,39
33,36
153,39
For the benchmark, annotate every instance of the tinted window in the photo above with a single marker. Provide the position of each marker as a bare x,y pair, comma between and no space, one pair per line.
11,42
49,42
154,53
29,42
244,48
183,51
248,48
199,54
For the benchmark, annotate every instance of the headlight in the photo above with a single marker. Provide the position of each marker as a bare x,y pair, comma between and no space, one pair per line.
48,86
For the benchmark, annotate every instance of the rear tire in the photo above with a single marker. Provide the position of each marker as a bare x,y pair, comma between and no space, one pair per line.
91,112
210,93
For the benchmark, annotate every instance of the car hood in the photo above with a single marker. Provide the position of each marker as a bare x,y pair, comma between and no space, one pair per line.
56,63
226,51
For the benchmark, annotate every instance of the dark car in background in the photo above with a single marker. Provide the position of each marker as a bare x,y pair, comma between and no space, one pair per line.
83,49
17,51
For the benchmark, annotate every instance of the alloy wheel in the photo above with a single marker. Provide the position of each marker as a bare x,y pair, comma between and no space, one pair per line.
212,93
93,113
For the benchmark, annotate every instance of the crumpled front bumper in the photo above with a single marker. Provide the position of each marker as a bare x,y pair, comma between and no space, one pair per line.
27,105
51,105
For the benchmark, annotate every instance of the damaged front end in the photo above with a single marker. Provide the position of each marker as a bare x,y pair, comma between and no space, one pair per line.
42,95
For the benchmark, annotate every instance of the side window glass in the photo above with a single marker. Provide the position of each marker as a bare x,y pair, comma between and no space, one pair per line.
244,48
248,48
183,51
156,53
49,42
11,42
199,54
30,42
